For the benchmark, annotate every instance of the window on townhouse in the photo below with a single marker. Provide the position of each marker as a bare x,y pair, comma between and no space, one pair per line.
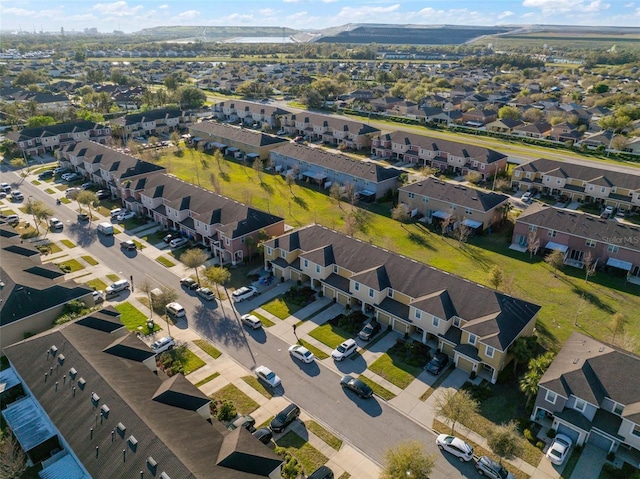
371,292
472,339
268,248
636,430
283,253
356,286
551,397
453,207
580,405
411,195
390,293
335,268
305,263
558,181
425,199
618,409
227,242
482,166
490,351
612,248
533,228
468,211
456,322
318,268
590,243
603,189
436,322
552,233
418,314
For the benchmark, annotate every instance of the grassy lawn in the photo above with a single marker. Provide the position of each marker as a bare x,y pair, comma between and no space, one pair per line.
50,191
73,265
258,386
377,389
330,335
395,371
204,381
96,284
318,353
165,262
155,237
132,318
68,243
207,348
307,455
529,280
266,322
281,308
192,362
113,277
139,245
345,475
54,248
322,433
243,403
89,259
442,428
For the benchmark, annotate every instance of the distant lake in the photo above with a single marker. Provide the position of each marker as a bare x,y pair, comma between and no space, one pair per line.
259,40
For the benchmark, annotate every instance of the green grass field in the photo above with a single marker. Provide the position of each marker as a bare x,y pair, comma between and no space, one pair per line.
394,371
243,403
73,265
208,348
281,308
305,453
266,322
191,362
258,386
204,381
330,335
133,318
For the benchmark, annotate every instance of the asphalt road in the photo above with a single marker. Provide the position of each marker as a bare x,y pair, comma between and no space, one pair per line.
371,425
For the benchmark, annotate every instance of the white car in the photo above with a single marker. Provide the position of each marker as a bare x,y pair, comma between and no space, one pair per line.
559,449
163,344
268,376
344,350
125,215
116,287
252,321
98,297
281,132
5,187
175,310
66,176
56,224
526,197
300,352
178,242
206,294
455,446
243,293
17,196
115,212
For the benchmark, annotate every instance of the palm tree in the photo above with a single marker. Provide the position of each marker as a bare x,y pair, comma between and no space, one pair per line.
218,276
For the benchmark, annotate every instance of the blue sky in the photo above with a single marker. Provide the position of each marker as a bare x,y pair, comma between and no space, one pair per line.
132,15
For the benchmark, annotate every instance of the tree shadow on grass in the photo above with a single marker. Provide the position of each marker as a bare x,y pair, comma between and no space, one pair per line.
301,203
420,240
224,176
267,187
591,298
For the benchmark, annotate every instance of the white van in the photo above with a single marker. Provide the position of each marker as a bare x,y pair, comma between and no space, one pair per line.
105,229
116,287
176,310
163,344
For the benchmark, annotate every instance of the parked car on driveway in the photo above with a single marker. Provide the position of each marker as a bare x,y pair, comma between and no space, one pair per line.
189,283
163,344
437,363
178,242
527,197
301,353
250,320
268,376
559,449
243,293
17,195
169,237
344,350
98,296
369,330
486,466
357,386
125,215
45,175
284,418
103,194
5,187
264,435
246,422
455,446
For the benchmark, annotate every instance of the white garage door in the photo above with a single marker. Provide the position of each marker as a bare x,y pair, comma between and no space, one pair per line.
567,431
600,441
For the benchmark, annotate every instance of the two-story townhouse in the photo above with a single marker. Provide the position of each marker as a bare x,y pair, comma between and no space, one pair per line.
617,186
152,122
219,223
540,130
605,243
504,125
41,139
565,132
591,393
479,118
329,129
323,168
473,324
43,100
435,199
105,166
235,140
445,155
248,112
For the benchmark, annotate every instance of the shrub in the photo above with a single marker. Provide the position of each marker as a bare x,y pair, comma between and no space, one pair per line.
227,411
540,445
611,456
551,433
291,469
529,436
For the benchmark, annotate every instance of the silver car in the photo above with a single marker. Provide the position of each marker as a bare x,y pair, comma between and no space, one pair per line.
455,446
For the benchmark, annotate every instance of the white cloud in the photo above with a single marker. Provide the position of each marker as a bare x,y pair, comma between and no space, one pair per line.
290,1
163,7
356,14
329,1
267,12
116,9
555,7
506,14
20,12
188,15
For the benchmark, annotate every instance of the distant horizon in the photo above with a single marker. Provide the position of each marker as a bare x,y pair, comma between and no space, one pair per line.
130,16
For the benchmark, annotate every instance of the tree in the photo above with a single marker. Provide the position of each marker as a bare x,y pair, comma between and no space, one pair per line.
505,441
533,243
258,167
496,276
400,213
447,223
407,459
462,233
336,194
509,112
43,120
555,259
523,349
218,276
473,177
190,97
87,198
589,266
455,405
13,461
146,287
537,367
194,258
39,211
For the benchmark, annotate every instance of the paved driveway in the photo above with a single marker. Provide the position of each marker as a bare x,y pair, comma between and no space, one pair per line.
590,463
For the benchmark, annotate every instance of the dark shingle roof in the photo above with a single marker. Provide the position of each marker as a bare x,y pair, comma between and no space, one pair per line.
240,135
335,123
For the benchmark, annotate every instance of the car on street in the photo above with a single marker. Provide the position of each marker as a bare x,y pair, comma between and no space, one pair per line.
284,418
117,287
128,245
206,294
83,217
175,310
455,446
301,353
98,296
559,449
189,283
343,351
268,376
56,224
5,187
252,321
125,215
45,175
356,385
103,194
486,466
370,330
178,242
163,344
527,197
437,363
264,435
246,421
17,195
243,293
